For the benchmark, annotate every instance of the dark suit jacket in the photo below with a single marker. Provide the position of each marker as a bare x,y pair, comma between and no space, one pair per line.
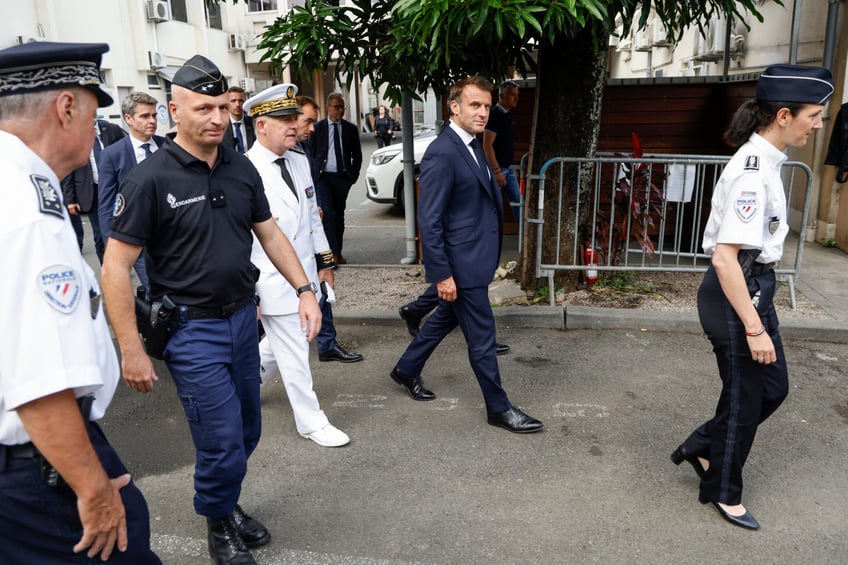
319,144
114,164
460,214
230,138
78,187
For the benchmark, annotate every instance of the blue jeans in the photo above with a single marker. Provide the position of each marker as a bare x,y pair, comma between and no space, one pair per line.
513,191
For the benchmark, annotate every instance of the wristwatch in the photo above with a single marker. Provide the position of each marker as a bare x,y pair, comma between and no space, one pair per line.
307,287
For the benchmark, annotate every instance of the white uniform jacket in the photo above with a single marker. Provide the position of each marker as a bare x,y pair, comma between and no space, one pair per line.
54,333
298,219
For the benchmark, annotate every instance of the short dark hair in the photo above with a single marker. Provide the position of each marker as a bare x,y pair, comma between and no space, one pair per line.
479,81
507,84
133,99
304,100
236,89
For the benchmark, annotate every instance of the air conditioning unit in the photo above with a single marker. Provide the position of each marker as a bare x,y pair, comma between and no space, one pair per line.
660,35
642,39
157,59
237,42
158,10
710,46
248,84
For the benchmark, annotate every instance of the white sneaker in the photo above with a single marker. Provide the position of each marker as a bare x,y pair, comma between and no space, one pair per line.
328,436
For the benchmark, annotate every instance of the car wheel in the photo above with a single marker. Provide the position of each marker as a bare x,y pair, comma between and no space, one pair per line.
399,191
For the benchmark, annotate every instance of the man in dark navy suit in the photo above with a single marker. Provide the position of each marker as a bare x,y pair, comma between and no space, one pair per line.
460,217
335,154
117,160
79,189
240,135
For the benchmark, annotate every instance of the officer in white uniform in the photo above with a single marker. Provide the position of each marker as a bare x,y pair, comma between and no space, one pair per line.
63,489
291,195
744,235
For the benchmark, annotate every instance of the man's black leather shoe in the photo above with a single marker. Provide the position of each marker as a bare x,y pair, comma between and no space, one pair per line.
744,521
413,385
252,532
516,421
225,545
501,348
338,353
680,455
412,321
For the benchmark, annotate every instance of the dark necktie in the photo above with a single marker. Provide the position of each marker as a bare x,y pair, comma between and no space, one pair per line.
239,138
481,158
284,172
337,142
147,151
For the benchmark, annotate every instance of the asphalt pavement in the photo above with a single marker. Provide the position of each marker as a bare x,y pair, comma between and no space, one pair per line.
431,482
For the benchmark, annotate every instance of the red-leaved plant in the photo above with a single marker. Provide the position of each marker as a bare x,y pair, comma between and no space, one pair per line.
635,206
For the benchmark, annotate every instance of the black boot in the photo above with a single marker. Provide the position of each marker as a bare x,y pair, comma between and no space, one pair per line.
225,544
252,532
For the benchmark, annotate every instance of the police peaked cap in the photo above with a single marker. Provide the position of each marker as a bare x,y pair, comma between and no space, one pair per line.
47,65
278,100
795,83
199,74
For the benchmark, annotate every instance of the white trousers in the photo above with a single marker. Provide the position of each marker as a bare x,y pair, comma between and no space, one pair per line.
285,348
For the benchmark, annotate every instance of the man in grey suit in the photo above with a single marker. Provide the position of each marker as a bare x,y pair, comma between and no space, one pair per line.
117,160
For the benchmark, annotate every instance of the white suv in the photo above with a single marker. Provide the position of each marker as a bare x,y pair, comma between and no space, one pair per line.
384,176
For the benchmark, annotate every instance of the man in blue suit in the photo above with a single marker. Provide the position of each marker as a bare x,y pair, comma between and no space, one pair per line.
460,217
117,160
335,155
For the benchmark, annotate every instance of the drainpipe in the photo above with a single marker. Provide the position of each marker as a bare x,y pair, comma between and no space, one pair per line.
830,34
408,161
796,32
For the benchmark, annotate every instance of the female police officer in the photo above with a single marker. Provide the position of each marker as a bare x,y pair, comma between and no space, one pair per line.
744,235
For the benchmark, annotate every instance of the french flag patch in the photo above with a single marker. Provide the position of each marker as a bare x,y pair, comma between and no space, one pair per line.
746,206
60,287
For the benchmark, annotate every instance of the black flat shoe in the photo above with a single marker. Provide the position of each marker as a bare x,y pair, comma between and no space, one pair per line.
338,353
680,455
744,521
412,321
501,348
413,386
515,421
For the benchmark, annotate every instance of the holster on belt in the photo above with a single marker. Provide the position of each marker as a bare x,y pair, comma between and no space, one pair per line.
49,474
157,321
746,259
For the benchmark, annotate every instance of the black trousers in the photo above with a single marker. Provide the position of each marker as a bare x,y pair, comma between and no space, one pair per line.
40,524
332,190
750,391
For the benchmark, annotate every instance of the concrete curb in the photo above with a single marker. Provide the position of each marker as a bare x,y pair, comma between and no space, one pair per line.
586,318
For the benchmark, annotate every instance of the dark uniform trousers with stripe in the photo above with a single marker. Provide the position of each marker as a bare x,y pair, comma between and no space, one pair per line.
750,391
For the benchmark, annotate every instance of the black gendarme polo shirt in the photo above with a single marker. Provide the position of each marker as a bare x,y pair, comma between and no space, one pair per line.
194,223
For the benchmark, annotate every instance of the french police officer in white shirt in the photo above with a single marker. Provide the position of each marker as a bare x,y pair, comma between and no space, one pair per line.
744,235
63,489
289,188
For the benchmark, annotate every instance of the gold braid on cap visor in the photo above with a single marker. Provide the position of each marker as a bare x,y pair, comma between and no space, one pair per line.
272,106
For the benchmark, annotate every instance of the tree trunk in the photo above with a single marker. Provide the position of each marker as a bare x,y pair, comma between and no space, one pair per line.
566,123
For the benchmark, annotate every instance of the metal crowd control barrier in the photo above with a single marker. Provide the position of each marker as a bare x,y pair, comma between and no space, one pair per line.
677,233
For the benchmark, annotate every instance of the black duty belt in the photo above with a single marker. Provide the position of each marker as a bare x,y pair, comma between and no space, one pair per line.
218,313
758,269
20,451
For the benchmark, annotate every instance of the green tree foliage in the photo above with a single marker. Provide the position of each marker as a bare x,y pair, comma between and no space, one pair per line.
408,46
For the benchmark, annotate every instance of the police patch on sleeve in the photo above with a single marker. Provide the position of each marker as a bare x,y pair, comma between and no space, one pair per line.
310,191
48,197
120,206
746,206
60,287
